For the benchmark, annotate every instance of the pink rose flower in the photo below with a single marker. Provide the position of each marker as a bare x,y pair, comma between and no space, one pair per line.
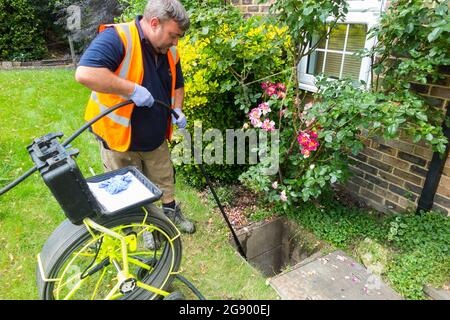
264,108
268,125
281,86
306,153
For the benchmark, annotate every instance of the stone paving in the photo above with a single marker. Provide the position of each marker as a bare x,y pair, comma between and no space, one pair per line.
335,276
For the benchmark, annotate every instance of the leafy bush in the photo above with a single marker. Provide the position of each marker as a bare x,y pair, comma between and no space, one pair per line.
222,56
21,32
316,138
418,35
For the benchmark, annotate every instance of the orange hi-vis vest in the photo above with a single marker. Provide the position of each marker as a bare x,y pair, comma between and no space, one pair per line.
115,128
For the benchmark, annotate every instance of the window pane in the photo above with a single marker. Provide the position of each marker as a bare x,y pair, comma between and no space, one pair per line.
352,66
337,37
332,64
356,37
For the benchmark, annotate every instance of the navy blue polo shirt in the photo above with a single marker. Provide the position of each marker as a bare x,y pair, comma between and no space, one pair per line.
148,125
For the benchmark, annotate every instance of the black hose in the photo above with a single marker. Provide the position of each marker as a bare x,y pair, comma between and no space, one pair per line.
216,198
191,286
18,180
94,120
222,210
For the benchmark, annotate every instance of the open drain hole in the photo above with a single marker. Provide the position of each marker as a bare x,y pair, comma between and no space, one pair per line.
274,246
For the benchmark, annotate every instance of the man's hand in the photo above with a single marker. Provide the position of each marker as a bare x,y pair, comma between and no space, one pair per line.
181,122
142,97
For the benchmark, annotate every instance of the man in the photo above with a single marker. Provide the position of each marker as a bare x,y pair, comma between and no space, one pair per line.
139,61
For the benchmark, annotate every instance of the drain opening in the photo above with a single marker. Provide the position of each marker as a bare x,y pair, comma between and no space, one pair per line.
274,246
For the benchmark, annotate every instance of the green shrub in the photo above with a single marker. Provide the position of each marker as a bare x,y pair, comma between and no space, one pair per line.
21,32
222,56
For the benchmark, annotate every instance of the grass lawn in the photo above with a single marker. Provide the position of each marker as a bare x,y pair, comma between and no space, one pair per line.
36,102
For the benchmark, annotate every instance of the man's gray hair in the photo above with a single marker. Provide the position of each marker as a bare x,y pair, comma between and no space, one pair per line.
166,10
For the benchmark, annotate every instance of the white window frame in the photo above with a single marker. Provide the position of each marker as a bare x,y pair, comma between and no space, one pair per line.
360,12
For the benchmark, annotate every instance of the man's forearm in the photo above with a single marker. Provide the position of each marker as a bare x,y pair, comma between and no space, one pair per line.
104,81
179,97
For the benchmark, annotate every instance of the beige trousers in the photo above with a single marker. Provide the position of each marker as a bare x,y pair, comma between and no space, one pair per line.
156,165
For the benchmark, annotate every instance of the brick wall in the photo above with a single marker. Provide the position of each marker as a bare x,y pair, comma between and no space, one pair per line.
389,175
251,7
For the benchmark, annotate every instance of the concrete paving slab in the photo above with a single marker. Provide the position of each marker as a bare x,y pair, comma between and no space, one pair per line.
335,276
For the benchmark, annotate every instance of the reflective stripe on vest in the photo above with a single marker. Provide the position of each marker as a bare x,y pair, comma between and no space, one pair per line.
127,59
173,52
114,117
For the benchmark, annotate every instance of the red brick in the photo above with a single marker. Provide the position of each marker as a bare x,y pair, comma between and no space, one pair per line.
372,153
408,176
391,178
443,191
425,153
380,165
396,162
445,181
440,92
372,196
384,148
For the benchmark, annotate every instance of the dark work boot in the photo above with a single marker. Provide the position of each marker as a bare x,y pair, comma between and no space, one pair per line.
183,224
